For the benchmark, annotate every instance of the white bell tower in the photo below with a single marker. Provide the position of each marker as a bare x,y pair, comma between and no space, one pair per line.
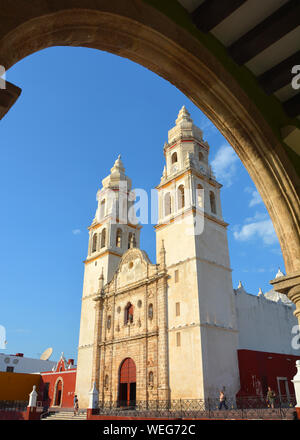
113,231
203,336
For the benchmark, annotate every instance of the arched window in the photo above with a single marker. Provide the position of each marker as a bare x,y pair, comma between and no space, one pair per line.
119,238
212,198
94,244
131,240
168,204
199,195
174,158
128,313
201,156
180,195
108,324
151,379
103,238
102,209
150,311
106,380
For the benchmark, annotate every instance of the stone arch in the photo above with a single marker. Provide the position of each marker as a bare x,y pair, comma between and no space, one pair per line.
174,158
167,204
180,197
94,242
58,388
150,38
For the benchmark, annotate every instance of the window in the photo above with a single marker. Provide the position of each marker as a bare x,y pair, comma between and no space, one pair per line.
176,274
108,324
201,156
102,209
119,238
151,379
212,198
178,309
9,369
150,311
178,339
174,158
103,238
128,313
180,195
168,204
199,195
94,243
131,240
106,380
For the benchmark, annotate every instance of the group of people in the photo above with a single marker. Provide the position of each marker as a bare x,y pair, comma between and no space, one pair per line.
270,399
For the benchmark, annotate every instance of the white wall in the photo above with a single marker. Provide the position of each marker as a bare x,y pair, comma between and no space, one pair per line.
264,325
24,365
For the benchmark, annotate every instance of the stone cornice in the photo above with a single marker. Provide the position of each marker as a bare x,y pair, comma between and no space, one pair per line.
95,226
103,254
185,172
204,324
136,285
128,338
199,259
285,283
187,211
169,146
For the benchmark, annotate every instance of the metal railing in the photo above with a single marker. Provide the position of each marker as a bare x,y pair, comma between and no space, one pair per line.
13,405
233,408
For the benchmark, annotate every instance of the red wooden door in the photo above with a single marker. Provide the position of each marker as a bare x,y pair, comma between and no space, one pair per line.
127,382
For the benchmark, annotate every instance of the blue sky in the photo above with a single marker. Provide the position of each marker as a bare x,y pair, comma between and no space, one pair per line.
78,110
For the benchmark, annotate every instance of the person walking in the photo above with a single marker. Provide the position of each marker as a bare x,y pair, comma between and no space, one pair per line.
76,405
271,397
222,399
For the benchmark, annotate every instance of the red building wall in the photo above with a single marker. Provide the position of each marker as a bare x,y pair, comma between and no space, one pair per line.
258,370
62,379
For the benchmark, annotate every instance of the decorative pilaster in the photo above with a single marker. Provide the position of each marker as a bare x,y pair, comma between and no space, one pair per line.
163,351
98,333
162,256
290,286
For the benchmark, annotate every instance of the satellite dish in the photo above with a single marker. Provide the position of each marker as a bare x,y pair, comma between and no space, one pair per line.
46,354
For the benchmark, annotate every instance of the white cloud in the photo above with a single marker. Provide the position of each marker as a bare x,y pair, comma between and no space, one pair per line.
76,231
224,165
255,197
263,230
258,216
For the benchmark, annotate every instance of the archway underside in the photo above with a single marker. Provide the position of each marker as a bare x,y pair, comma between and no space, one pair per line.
140,33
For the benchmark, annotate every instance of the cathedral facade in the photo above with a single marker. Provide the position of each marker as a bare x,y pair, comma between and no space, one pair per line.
166,330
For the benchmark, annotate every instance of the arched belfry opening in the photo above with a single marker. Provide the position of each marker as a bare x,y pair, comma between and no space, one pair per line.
127,383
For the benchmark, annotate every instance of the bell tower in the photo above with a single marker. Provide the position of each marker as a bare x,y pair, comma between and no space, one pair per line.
113,231
203,336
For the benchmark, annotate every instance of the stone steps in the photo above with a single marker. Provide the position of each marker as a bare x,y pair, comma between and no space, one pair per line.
65,415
